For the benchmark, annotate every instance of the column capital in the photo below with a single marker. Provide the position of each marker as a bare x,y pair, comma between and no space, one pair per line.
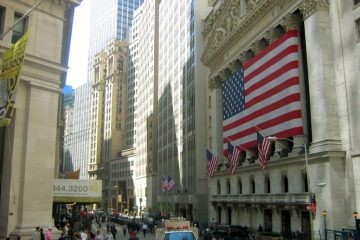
273,34
290,21
246,56
308,7
234,66
258,46
215,82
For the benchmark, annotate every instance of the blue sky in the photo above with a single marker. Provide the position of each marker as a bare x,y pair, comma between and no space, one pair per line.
77,71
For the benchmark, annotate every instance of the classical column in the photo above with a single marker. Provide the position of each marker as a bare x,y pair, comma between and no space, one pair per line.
32,160
324,111
216,113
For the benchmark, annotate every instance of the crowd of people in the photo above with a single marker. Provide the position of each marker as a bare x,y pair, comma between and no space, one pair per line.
99,230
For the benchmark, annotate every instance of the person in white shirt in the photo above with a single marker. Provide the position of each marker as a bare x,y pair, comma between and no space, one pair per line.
144,229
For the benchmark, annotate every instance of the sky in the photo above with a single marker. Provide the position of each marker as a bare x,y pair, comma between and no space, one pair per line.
78,58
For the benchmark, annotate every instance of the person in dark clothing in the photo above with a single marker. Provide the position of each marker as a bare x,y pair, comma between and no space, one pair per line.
113,231
124,230
42,234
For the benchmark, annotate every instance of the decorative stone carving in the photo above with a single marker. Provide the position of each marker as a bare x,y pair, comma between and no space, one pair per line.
273,34
258,46
246,56
234,66
308,7
290,21
215,82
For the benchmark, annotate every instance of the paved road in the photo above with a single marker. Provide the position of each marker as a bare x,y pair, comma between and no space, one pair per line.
119,235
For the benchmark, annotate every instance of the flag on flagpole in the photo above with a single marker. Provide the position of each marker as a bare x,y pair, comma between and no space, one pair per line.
233,155
167,184
264,147
265,92
212,163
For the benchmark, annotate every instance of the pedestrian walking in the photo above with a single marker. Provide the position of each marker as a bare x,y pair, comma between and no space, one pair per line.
144,229
85,234
36,234
113,230
99,236
49,234
133,236
124,230
42,234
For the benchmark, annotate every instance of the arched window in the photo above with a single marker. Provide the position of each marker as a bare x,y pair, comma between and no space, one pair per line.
228,186
285,184
239,186
305,187
267,185
252,184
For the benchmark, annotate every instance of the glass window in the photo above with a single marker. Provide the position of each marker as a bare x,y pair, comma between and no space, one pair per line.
2,19
19,29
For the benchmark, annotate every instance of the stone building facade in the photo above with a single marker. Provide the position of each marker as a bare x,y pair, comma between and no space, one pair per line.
29,160
323,162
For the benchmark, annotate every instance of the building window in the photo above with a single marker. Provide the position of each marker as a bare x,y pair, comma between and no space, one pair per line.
218,187
357,25
2,20
305,186
19,29
239,187
252,184
209,121
228,186
267,185
285,184
209,102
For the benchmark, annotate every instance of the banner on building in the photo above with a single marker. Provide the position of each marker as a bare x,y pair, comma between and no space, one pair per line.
9,77
69,190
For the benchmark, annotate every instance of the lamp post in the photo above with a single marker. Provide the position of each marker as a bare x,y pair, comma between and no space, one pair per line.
116,197
312,201
324,213
354,214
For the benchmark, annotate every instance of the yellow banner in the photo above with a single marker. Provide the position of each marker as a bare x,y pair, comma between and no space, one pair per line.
10,71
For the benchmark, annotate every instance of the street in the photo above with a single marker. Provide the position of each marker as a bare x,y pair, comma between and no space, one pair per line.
120,235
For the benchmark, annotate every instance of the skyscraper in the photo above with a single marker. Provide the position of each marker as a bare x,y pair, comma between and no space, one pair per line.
145,58
107,71
181,100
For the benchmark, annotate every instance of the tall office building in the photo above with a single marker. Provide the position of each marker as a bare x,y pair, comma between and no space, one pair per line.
181,103
144,54
109,20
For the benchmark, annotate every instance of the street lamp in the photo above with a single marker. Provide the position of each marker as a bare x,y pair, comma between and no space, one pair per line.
324,213
312,206
116,197
354,214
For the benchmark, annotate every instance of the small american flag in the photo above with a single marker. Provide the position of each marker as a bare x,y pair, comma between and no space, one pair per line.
167,184
264,92
212,163
264,146
234,154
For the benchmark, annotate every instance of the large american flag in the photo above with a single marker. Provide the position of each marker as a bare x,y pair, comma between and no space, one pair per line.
167,184
265,93
264,147
212,163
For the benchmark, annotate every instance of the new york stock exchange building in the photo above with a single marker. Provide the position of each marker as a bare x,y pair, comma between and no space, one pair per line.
289,71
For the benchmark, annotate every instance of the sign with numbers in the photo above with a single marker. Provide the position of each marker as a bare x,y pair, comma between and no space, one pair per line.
70,190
